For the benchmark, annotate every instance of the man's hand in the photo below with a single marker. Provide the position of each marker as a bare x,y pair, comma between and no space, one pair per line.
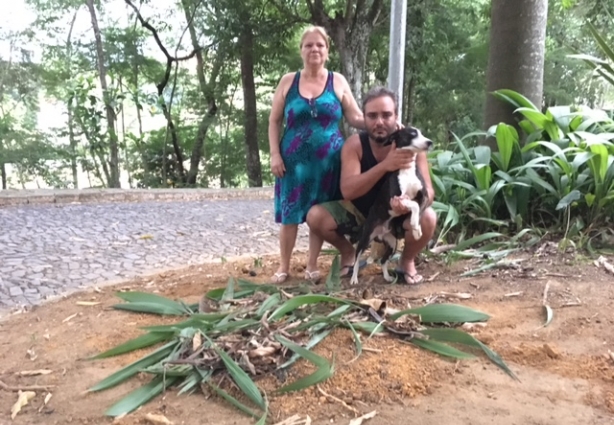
396,204
277,165
398,159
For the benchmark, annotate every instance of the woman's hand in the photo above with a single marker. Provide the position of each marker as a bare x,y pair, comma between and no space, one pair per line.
277,165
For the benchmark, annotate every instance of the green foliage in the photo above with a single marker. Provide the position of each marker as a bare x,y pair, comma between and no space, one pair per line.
287,324
566,162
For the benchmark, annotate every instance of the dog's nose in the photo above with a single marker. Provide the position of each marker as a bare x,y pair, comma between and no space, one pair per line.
429,144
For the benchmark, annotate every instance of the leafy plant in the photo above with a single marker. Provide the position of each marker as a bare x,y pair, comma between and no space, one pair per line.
275,327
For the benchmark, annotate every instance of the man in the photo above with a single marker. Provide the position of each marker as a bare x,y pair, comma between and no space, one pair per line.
364,164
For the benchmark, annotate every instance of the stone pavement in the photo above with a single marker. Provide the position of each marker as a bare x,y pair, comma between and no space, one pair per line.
53,249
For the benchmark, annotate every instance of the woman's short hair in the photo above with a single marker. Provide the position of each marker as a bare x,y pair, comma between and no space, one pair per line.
317,29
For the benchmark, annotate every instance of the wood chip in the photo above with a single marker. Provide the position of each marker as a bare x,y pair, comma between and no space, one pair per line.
459,295
337,400
34,372
87,303
157,419
603,262
513,294
72,316
366,416
296,420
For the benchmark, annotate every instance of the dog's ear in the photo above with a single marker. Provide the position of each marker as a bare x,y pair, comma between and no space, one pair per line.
394,137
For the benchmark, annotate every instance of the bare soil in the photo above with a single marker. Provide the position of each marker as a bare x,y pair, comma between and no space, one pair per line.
566,372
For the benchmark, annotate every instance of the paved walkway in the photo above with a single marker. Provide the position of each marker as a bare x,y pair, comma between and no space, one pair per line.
52,249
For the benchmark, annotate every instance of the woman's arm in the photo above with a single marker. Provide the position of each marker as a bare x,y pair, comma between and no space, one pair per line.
352,112
276,119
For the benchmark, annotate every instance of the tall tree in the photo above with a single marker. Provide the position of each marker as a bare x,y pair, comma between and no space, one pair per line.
110,112
350,31
516,55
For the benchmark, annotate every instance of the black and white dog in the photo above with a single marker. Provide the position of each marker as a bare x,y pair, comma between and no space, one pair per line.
407,183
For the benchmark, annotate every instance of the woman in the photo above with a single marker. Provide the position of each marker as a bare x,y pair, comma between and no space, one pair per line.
306,158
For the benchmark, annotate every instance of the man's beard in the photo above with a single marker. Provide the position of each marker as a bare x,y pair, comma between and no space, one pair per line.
379,139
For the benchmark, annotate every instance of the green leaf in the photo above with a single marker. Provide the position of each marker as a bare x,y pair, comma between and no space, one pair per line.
568,199
242,379
141,396
236,403
324,371
302,300
456,336
440,313
268,304
515,99
507,139
439,348
146,297
333,280
315,340
476,239
356,338
133,368
142,341
150,308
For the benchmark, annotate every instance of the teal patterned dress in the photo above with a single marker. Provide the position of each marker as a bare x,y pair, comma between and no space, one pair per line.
311,151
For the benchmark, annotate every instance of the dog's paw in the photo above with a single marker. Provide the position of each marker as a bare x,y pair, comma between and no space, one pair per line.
387,276
417,232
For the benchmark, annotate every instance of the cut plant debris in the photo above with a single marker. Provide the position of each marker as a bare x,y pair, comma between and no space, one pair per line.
247,331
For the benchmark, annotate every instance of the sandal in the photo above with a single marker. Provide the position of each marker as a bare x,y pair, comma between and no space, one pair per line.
279,277
410,279
313,277
350,267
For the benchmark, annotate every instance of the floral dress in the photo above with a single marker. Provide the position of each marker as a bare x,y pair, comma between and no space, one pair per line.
311,151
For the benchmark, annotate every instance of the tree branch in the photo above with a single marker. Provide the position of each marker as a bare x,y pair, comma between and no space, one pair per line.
374,12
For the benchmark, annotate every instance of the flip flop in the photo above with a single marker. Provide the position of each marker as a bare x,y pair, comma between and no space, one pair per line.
361,265
313,277
279,277
409,279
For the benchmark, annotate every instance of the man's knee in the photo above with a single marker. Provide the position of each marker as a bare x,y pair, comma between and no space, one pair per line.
318,217
428,220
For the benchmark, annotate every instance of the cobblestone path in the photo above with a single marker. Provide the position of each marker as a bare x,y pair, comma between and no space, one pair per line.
48,250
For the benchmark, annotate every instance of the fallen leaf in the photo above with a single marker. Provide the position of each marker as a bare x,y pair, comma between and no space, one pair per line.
359,420
34,372
374,303
197,341
146,237
157,419
23,397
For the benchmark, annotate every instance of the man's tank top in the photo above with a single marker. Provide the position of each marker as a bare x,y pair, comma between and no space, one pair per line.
368,161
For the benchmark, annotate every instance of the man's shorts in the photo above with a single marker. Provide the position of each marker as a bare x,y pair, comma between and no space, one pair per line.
350,220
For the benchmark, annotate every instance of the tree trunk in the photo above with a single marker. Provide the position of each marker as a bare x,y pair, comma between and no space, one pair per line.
350,33
3,172
71,128
73,149
207,89
110,113
516,56
252,157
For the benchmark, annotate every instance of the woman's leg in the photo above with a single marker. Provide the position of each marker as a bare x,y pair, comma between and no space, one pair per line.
287,239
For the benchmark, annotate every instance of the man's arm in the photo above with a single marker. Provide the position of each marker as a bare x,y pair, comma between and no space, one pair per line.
353,183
